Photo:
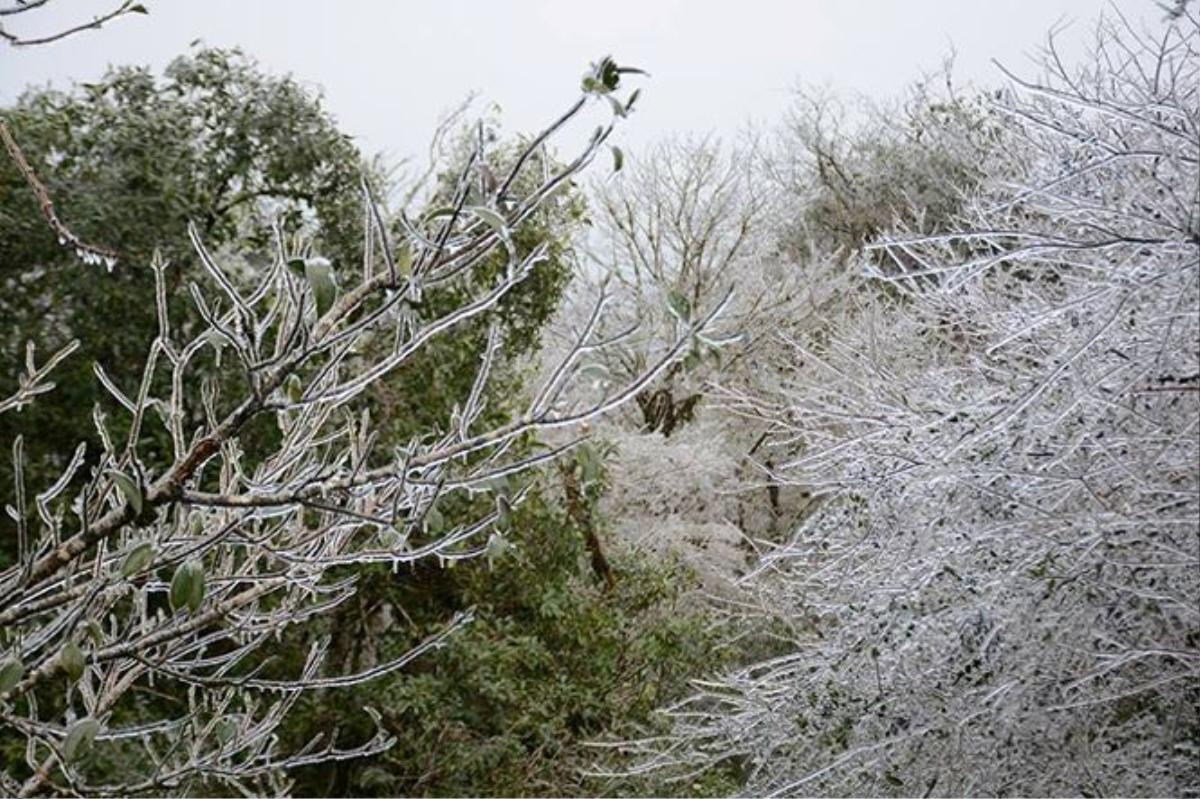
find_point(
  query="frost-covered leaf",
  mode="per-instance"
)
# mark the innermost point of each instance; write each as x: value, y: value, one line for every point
x: 225, y: 729
x: 294, y: 388
x: 79, y: 738
x: 319, y: 273
x: 138, y: 559
x: 129, y: 489
x: 11, y: 672
x: 435, y: 522
x: 679, y: 305
x: 618, y: 159
x: 492, y: 219
x: 72, y: 661
x: 404, y: 260
x: 188, y: 586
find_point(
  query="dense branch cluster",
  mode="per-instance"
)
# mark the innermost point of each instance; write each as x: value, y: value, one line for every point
x: 178, y: 571
x: 997, y: 588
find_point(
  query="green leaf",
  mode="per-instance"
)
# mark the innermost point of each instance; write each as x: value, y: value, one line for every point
x: 138, y: 559
x: 605, y: 76
x: 618, y: 159
x: 497, y: 546
x: 503, y: 513
x: 434, y: 521
x: 196, y: 597
x: 79, y: 738
x: 187, y: 586
x: 391, y: 538
x: 138, y: 8
x: 377, y: 778
x: 319, y: 272
x: 130, y: 489
x: 71, y: 660
x: 225, y: 729
x: 215, y: 340
x: 436, y: 213
x: 679, y: 305
x: 94, y: 632
x: 297, y: 266
x: 492, y: 219
x: 11, y: 672
x: 590, y: 468
x: 181, y: 586
x: 293, y: 388
x: 632, y: 99
x: 404, y: 260
x: 610, y: 75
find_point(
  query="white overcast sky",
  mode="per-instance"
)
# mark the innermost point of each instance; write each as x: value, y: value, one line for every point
x: 389, y: 69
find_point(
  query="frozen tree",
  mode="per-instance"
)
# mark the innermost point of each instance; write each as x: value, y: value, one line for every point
x: 175, y: 573
x: 997, y: 589
x: 674, y: 230
x: 682, y: 222
x: 848, y: 176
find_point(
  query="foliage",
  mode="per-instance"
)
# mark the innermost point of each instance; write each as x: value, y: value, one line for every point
x: 909, y: 163
x: 277, y: 526
x: 335, y: 525
x: 129, y: 162
x: 424, y: 390
x: 996, y: 590
x: 423, y: 393
x: 556, y: 658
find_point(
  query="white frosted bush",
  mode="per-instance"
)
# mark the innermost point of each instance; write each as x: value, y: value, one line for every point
x: 997, y: 590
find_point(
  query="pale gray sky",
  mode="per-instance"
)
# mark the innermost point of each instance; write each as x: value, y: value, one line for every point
x: 388, y: 69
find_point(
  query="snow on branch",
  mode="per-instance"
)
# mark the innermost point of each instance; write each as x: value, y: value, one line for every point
x: 185, y: 574
x: 997, y: 587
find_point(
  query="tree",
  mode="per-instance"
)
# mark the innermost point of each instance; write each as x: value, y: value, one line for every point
x: 847, y: 179
x: 678, y: 227
x: 183, y: 574
x: 996, y: 591
x: 128, y: 162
